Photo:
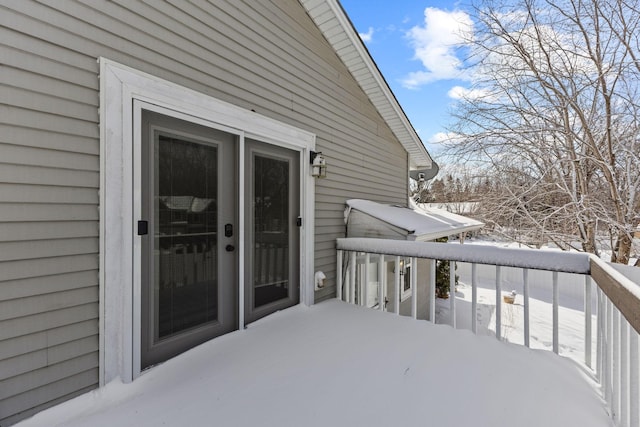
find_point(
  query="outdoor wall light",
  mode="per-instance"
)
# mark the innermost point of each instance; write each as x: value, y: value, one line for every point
x: 319, y: 279
x: 401, y: 267
x: 318, y: 165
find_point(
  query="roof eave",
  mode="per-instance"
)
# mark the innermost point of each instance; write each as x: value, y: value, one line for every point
x: 329, y: 15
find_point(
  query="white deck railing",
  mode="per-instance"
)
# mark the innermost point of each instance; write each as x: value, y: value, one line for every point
x: 617, y: 310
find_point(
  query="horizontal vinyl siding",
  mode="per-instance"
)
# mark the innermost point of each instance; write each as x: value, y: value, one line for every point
x: 264, y: 56
x: 14, y: 328
x: 25, y: 404
x: 49, y: 178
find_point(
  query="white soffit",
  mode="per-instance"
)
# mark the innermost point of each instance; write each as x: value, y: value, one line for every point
x: 340, y: 33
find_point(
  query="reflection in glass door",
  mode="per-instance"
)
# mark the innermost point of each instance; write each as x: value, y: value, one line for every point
x: 189, y: 284
x: 272, y: 272
x: 185, y: 239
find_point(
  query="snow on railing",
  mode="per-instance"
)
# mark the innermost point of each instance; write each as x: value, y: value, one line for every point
x: 617, y: 314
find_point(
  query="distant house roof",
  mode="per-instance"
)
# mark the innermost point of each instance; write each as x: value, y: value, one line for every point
x: 421, y: 224
x: 332, y: 20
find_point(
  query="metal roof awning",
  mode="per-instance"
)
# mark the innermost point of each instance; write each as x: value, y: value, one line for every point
x: 366, y: 218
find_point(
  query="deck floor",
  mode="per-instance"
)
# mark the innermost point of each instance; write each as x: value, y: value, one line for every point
x: 334, y: 364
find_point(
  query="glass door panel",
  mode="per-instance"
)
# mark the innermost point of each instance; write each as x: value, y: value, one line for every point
x: 189, y: 274
x: 271, y: 230
x: 272, y: 245
x: 186, y: 249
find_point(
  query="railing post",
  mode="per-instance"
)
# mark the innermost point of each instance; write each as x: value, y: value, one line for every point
x: 381, y: 284
x: 555, y: 312
x: 525, y: 287
x: 587, y: 321
x: 339, y: 274
x: 432, y: 290
x: 396, y: 286
x: 414, y: 287
x: 498, y: 302
x: 452, y: 292
x: 474, y: 298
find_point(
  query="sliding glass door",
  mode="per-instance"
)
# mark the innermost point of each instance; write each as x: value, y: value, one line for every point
x: 189, y: 291
x: 272, y: 241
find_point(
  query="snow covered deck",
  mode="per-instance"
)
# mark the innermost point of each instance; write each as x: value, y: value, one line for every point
x: 335, y: 364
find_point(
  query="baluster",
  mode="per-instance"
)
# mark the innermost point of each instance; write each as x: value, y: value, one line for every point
x: 555, y: 313
x: 525, y: 287
x: 365, y: 287
x: 615, y: 396
x: 624, y: 372
x: 432, y: 290
x: 352, y: 278
x: 498, y: 302
x: 608, y: 351
x: 474, y: 298
x: 339, y: 274
x: 414, y: 288
x: 600, y: 317
x: 381, y: 284
x: 634, y: 379
x: 347, y: 279
x: 452, y: 292
x: 587, y: 321
x: 396, y: 286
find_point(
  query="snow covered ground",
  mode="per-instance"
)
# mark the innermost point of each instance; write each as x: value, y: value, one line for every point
x: 335, y: 364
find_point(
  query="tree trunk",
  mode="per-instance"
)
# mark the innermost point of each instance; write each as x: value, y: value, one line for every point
x: 622, y: 250
x: 589, y: 243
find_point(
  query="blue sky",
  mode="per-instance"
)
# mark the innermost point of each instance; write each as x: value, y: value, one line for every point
x: 412, y: 42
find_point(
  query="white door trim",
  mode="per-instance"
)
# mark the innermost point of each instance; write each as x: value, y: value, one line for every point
x: 120, y: 247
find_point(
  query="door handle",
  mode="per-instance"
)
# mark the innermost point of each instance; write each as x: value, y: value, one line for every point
x: 143, y: 228
x: 230, y: 248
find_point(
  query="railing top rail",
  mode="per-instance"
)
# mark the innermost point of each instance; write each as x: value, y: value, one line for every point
x: 567, y: 262
x: 622, y: 291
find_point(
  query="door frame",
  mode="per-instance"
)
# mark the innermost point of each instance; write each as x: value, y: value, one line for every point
x: 124, y: 92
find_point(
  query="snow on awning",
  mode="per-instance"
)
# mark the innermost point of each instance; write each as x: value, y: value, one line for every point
x: 414, y: 223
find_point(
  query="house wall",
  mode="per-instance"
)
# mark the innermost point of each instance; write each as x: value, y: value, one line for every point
x: 360, y: 224
x: 421, y: 288
x: 263, y: 56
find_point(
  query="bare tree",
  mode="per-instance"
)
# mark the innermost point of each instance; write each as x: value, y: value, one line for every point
x: 554, y: 119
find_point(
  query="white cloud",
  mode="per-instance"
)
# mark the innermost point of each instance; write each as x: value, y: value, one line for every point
x: 444, y: 137
x: 459, y: 92
x: 436, y: 45
x: 368, y: 36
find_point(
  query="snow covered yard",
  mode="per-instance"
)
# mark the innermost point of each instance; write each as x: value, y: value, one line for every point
x: 336, y: 364
x: 571, y: 304
x: 571, y: 315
